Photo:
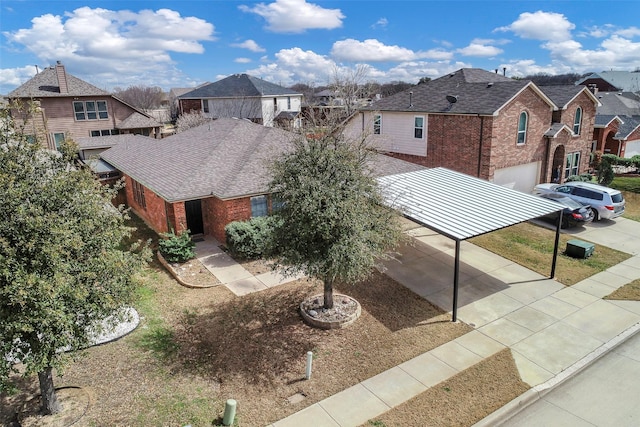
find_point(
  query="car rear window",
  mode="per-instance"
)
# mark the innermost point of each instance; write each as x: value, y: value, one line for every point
x: 617, y: 198
x: 583, y: 192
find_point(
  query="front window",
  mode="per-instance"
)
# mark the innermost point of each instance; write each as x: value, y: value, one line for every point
x: 205, y: 105
x: 138, y: 194
x: 572, y: 166
x: 105, y: 132
x: 577, y: 121
x: 90, y: 110
x: 418, y: 127
x: 522, y: 128
x: 259, y: 206
x: 377, y: 124
x: 58, y: 138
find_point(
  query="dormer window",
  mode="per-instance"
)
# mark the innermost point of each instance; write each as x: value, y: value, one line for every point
x: 577, y: 121
x: 522, y: 128
x: 377, y: 124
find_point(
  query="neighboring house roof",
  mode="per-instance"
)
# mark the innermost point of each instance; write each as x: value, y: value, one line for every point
x: 45, y: 84
x: 622, y: 80
x: 138, y: 120
x: 178, y: 91
x: 238, y: 85
x: 603, y: 120
x: 227, y: 158
x: 466, y: 91
x: 88, y: 142
x: 621, y: 104
x: 563, y: 95
x: 627, y: 127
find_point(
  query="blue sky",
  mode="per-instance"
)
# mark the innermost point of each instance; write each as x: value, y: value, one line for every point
x: 185, y: 43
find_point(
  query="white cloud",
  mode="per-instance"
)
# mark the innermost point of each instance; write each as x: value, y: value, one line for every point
x: 242, y: 60
x: 480, y: 50
x: 251, y: 45
x: 541, y: 26
x: 629, y: 32
x: 16, y: 76
x: 372, y: 50
x: 381, y: 23
x: 114, y: 47
x: 296, y: 16
x: 297, y: 65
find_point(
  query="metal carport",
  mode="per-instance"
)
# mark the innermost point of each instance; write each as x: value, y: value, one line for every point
x: 460, y: 206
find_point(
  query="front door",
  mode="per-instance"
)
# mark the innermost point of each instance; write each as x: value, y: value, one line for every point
x: 193, y: 210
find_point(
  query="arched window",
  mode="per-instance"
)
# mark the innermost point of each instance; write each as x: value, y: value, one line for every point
x: 577, y: 121
x: 522, y: 128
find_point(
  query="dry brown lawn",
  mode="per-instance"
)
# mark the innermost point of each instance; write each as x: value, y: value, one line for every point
x: 630, y: 291
x: 195, y: 348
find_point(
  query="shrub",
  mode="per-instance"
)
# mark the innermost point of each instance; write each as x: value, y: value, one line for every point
x: 605, y: 171
x: 584, y: 177
x: 177, y: 248
x: 249, y: 239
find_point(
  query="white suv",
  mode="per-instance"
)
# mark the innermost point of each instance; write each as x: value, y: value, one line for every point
x: 605, y: 202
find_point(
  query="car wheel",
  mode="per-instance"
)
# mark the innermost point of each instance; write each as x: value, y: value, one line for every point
x: 596, y: 217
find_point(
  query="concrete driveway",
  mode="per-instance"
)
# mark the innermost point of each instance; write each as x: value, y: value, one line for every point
x: 621, y: 234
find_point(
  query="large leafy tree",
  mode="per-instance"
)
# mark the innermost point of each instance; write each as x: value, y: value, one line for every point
x: 63, y: 267
x: 333, y: 224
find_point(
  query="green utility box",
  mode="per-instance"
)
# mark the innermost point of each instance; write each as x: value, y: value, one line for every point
x: 579, y: 249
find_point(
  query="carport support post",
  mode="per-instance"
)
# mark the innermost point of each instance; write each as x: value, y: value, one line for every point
x: 456, y: 274
x: 555, y: 246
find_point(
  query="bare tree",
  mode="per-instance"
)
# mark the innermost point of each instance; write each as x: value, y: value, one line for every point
x: 347, y: 84
x: 190, y: 120
x: 142, y: 97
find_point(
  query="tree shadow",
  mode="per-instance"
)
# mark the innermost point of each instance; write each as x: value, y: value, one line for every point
x: 392, y: 304
x: 258, y: 337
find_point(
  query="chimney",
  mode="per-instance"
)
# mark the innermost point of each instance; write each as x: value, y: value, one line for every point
x: 62, y: 78
x: 504, y: 71
x: 593, y: 88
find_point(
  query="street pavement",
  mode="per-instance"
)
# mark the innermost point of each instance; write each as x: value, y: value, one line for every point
x: 607, y: 393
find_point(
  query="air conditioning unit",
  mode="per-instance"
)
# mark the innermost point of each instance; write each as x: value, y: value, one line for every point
x: 579, y: 249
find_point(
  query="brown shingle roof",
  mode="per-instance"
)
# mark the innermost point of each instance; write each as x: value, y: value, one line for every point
x: 137, y: 121
x: 45, y: 84
x: 474, y: 91
x: 226, y: 158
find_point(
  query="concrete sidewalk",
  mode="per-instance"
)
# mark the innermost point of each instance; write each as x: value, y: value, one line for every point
x: 551, y: 329
x: 235, y: 277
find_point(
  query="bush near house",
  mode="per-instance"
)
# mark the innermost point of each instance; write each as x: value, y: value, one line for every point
x: 177, y: 248
x: 249, y: 239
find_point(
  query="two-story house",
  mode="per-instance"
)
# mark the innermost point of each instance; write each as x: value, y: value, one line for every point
x: 507, y: 131
x: 244, y: 97
x: 70, y: 107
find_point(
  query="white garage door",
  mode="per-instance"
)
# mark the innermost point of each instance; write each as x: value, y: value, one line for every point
x: 632, y: 149
x: 522, y: 177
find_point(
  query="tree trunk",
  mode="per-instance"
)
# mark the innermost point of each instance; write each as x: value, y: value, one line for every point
x: 50, y: 403
x: 328, y: 293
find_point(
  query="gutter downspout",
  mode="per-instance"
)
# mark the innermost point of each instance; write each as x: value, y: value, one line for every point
x: 480, y: 149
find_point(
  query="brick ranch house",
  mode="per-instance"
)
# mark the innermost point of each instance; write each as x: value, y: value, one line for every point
x: 507, y: 131
x: 208, y: 176
x: 617, y: 128
x: 69, y: 107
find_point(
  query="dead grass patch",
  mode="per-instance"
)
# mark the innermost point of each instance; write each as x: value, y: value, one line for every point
x: 630, y: 291
x: 196, y: 348
x: 532, y: 246
x: 462, y: 400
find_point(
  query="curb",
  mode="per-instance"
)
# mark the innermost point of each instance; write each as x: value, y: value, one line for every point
x: 175, y: 275
x: 511, y: 409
